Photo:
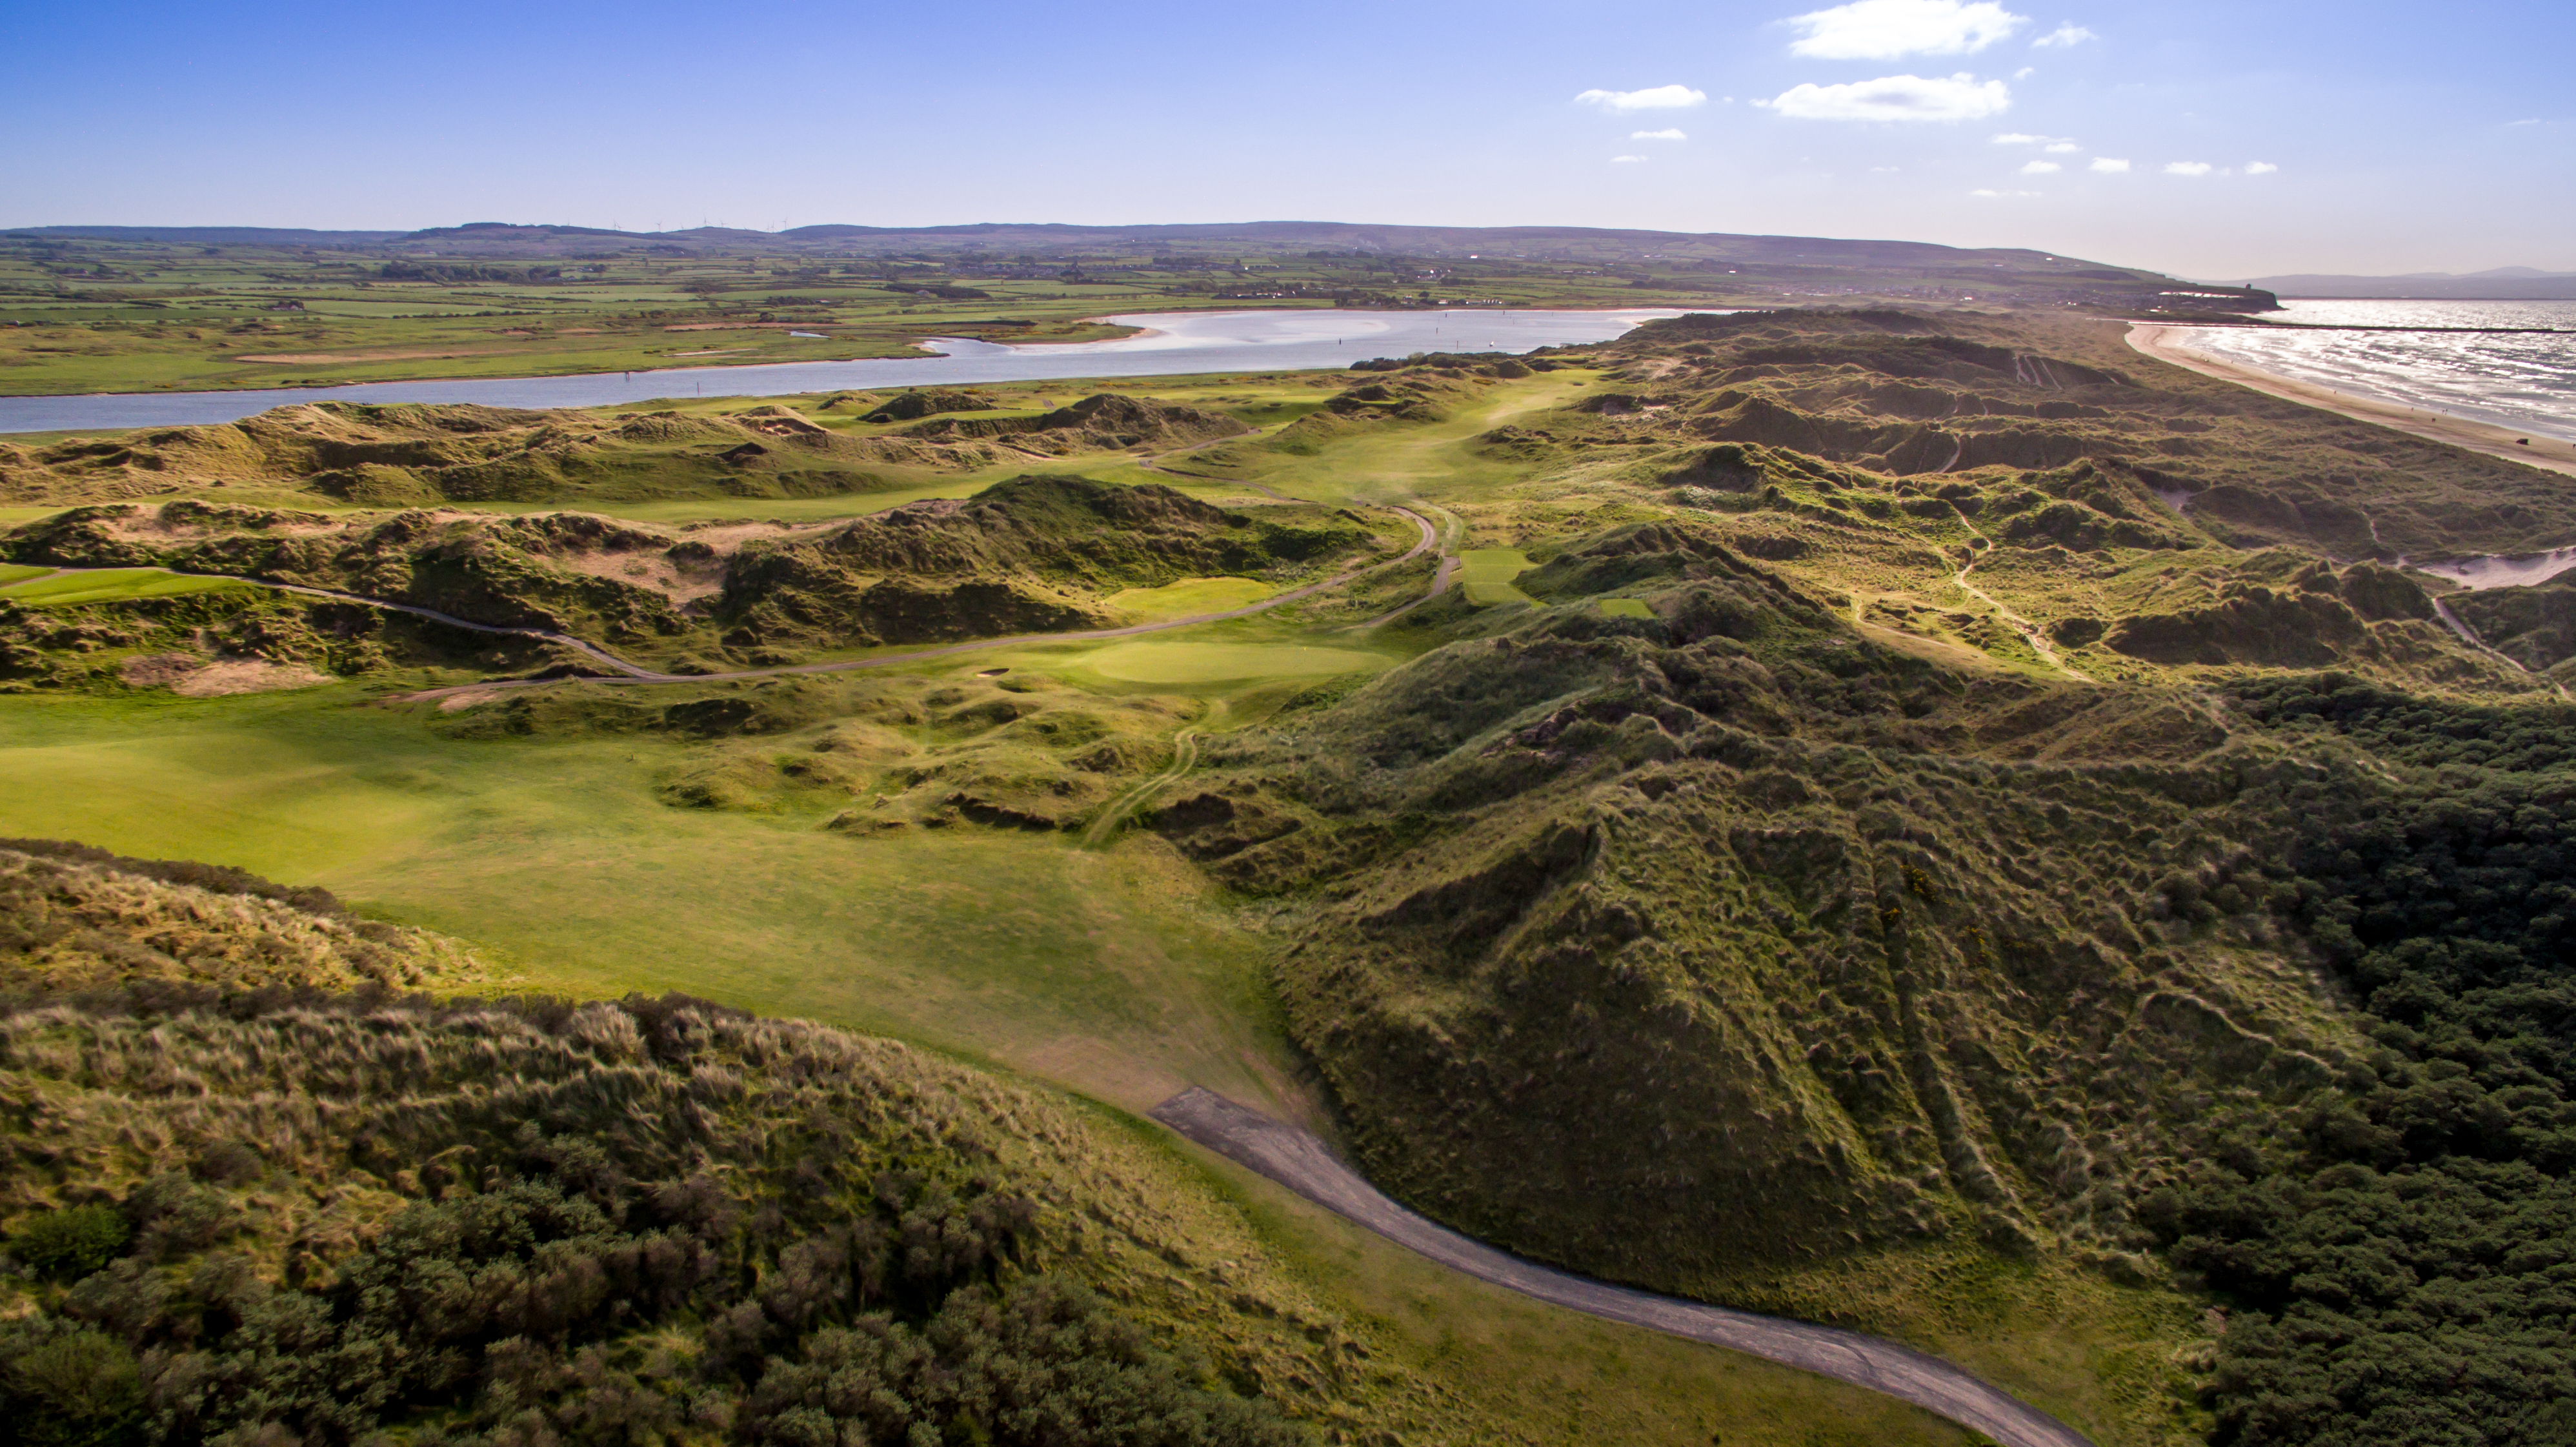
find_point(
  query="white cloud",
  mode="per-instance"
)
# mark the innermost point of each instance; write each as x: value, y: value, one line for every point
x: 2041, y: 168
x: 2110, y: 167
x: 2063, y: 148
x: 2018, y: 138
x: 1627, y: 160
x: 2188, y: 168
x: 1896, y: 98
x: 2065, y: 35
x: 2026, y: 72
x: 1886, y: 29
x: 1656, y: 98
x: 1990, y: 192
x: 1670, y: 134
x: 2260, y: 168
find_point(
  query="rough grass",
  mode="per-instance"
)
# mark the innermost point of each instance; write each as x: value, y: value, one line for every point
x: 1563, y: 1379
x: 71, y: 921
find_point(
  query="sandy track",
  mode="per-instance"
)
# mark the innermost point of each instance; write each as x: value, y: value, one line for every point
x: 1303, y: 1164
x: 1185, y: 756
x: 2165, y: 344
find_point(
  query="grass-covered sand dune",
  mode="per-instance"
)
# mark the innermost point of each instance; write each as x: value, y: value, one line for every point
x: 1921, y: 819
x: 269, y: 1207
x: 241, y: 1203
x: 1031, y: 554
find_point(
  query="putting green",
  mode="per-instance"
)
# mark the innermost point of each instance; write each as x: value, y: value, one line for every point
x: 1188, y: 597
x: 1626, y: 608
x: 108, y: 584
x: 1185, y: 663
x: 1487, y: 574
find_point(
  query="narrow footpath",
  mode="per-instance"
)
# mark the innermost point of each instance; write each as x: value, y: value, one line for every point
x: 1304, y: 1164
x: 1185, y: 757
x: 2029, y: 631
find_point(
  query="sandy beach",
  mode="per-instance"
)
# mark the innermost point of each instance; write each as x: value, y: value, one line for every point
x: 2163, y: 342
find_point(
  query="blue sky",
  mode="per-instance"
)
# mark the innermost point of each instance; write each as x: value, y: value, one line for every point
x: 2398, y: 138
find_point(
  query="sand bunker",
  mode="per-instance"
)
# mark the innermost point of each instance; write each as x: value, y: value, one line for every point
x: 192, y: 677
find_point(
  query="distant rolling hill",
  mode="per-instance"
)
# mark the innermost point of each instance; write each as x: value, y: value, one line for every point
x: 1566, y: 242
x: 209, y: 235
x: 1794, y: 269
x: 2504, y: 283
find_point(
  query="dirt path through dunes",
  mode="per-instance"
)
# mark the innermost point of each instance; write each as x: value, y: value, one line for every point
x: 2029, y: 631
x: 1185, y: 756
x: 2165, y: 344
x: 2469, y: 636
x: 636, y: 673
x: 1303, y: 1164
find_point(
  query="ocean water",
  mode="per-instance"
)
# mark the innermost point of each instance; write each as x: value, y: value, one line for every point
x: 1174, y: 343
x: 2526, y: 382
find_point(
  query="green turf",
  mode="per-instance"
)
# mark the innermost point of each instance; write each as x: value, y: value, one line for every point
x: 1185, y: 664
x: 19, y: 572
x: 1115, y: 973
x: 1188, y: 597
x: 1626, y: 608
x: 1487, y: 575
x: 1437, y: 460
x: 110, y: 585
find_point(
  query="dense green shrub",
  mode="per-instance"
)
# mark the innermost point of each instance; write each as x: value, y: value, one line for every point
x: 675, y: 1222
x: 2424, y: 732
x: 2402, y: 1263
x: 71, y: 1242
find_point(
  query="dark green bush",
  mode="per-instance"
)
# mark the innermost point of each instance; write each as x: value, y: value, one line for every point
x: 72, y: 1242
x: 2400, y: 1263
x: 66, y: 1387
x: 604, y: 1278
x: 2428, y: 733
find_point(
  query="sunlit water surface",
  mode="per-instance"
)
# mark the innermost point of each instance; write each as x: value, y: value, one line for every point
x: 1174, y: 344
x: 2525, y: 381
